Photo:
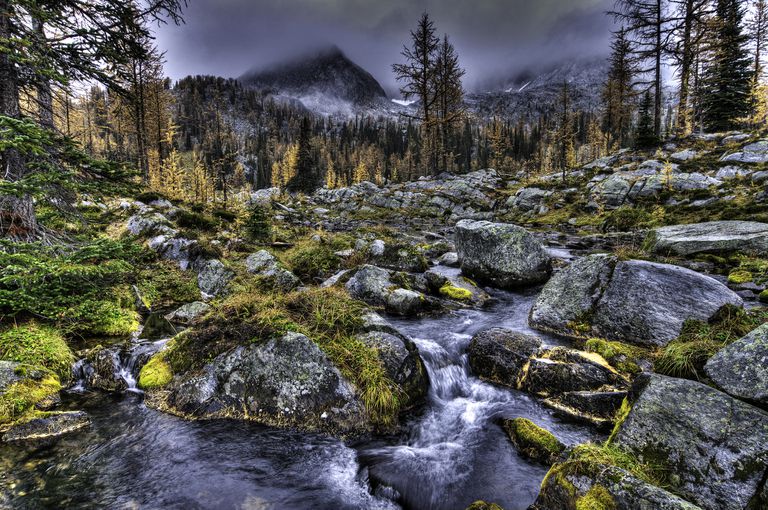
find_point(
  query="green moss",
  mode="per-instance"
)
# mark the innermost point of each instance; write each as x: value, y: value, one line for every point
x: 482, y: 505
x: 740, y: 276
x: 596, y: 498
x: 621, y: 416
x: 156, y: 373
x: 591, y: 458
x: 698, y: 341
x: 763, y: 297
x: 621, y: 356
x: 37, y: 345
x: 104, y: 318
x: 20, y: 398
x: 536, y: 442
x: 456, y: 293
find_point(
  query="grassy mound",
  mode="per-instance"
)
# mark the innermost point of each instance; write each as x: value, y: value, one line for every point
x: 39, y: 346
x: 20, y: 398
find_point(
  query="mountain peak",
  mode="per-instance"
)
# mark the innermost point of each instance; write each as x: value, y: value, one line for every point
x: 327, y: 73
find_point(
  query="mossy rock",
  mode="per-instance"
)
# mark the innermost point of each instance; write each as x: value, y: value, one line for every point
x: 482, y: 505
x: 763, y: 297
x: 596, y: 498
x: 532, y: 441
x: 37, y: 345
x: 155, y: 374
x: 449, y: 291
x: 32, y: 386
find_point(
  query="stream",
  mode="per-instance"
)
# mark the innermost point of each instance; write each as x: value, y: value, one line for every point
x: 451, y: 454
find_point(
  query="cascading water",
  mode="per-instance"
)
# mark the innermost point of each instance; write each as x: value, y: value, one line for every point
x: 451, y: 454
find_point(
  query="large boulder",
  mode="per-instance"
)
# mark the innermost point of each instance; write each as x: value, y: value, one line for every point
x: 188, y: 313
x: 102, y: 370
x: 741, y: 369
x: 499, y: 355
x: 710, y: 237
x: 753, y: 153
x: 283, y: 382
x: 501, y: 254
x: 631, y: 301
x: 714, y: 447
x: 46, y: 426
x: 374, y: 286
x: 265, y: 265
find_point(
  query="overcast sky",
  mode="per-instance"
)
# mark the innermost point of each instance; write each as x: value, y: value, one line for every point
x: 495, y: 38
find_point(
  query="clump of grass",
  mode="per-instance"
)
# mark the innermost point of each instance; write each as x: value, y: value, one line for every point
x: 311, y: 259
x: 533, y: 441
x: 621, y: 416
x: 627, y: 219
x: 596, y: 498
x: 589, y: 456
x: 698, y: 341
x: 327, y: 316
x: 163, y: 285
x: 37, y: 345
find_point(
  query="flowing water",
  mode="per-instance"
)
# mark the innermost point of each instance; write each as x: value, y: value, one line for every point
x: 452, y: 453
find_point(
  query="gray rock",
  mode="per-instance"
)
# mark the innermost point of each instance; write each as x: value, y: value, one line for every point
x: 450, y: 259
x: 373, y: 285
x: 741, y: 369
x: 760, y: 177
x: 715, y: 448
x: 732, y: 172
x: 284, y: 382
x: 188, y: 313
x: 547, y: 377
x: 500, y: 254
x: 711, y: 237
x: 405, y: 302
x: 684, y: 155
x: 528, y: 199
x: 214, y: 278
x: 178, y: 249
x: 631, y: 301
x: 8, y: 374
x: 499, y: 355
x: 735, y: 138
x: 102, y: 370
x: 264, y: 197
x: 47, y: 426
x: 572, y: 294
x: 753, y: 153
x: 270, y: 269
x: 611, y: 192
x: 647, y: 303
x: 148, y: 223
x: 377, y: 248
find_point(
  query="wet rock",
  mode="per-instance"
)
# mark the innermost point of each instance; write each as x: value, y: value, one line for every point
x: 44, y: 426
x: 753, y: 153
x: 188, y: 313
x: 575, y: 484
x: 571, y: 295
x: 500, y: 355
x: 284, y: 382
x: 711, y: 237
x: 546, y: 377
x: 741, y: 369
x: 214, y: 278
x: 405, y: 302
x: 532, y: 441
x: 102, y: 371
x: 714, y: 447
x: 500, y: 254
x: 156, y: 327
x: 265, y: 265
x: 596, y: 407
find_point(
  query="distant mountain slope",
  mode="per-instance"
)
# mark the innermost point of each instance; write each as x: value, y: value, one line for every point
x: 534, y: 93
x: 327, y: 82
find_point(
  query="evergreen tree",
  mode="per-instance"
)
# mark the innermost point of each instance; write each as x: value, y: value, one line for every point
x: 306, y: 178
x: 645, y: 135
x: 618, y: 94
x: 450, y: 95
x: 727, y: 78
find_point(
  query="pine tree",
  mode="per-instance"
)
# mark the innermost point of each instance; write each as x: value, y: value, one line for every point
x: 727, y: 79
x: 618, y: 94
x: 305, y: 178
x: 645, y: 136
x: 418, y: 76
x: 450, y: 95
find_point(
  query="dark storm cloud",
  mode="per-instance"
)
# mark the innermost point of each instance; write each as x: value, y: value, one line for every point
x: 494, y: 37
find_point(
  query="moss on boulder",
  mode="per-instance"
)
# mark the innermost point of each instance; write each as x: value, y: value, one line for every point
x: 532, y: 441
x: 37, y: 345
x: 155, y: 374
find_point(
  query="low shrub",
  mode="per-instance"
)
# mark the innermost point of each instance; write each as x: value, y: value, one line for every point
x: 310, y: 259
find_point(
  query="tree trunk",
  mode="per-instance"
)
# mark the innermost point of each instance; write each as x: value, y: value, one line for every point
x: 657, y: 71
x: 44, y: 94
x: 17, y: 213
x: 683, y: 109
